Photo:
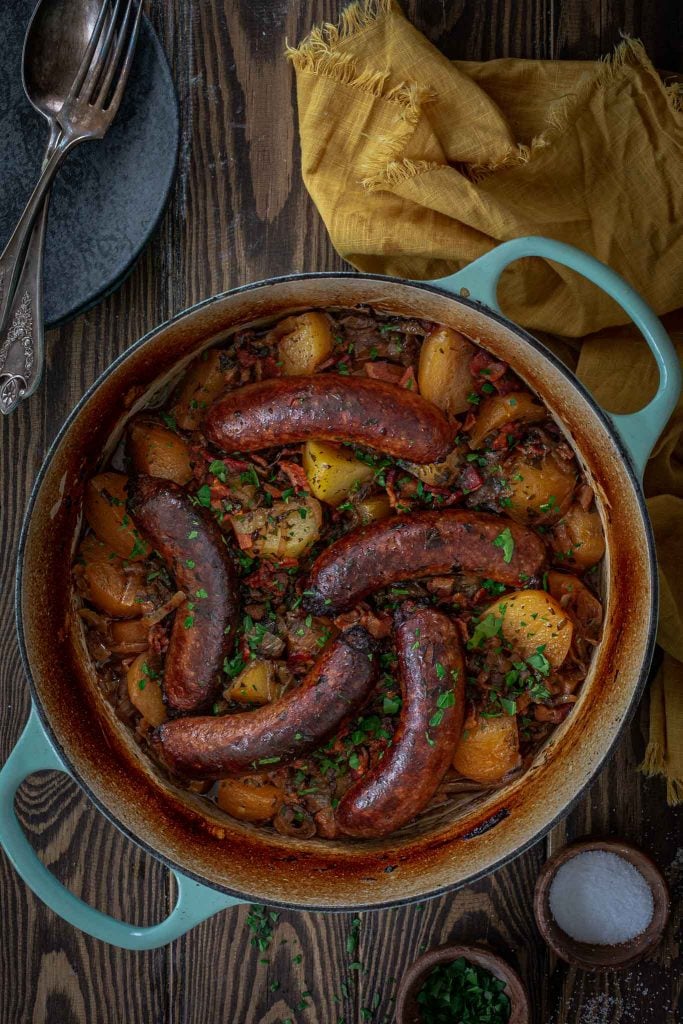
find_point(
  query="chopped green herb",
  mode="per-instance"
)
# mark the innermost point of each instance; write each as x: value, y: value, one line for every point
x: 505, y: 541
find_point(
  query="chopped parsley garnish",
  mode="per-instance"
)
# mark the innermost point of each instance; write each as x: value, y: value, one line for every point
x: 505, y: 541
x: 464, y: 992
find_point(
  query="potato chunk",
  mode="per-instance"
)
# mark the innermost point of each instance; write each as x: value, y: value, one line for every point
x: 443, y: 375
x: 287, y: 530
x: 111, y: 585
x: 539, y: 492
x: 104, y: 507
x: 249, y: 798
x: 578, y: 538
x: 332, y: 472
x: 144, y: 689
x: 488, y: 749
x: 372, y: 509
x: 496, y: 411
x: 256, y: 684
x: 533, y: 619
x: 305, y: 341
x: 158, y: 451
x: 203, y: 382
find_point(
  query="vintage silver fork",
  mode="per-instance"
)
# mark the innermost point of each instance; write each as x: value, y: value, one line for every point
x: 87, y: 113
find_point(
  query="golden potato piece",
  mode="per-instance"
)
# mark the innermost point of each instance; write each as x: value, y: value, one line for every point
x: 539, y: 492
x: 488, y: 749
x: 286, y: 530
x: 111, y: 585
x: 256, y: 684
x: 104, y: 507
x: 332, y: 472
x: 248, y: 798
x: 305, y: 341
x: 533, y: 619
x: 578, y: 538
x: 496, y: 411
x: 437, y: 474
x: 443, y: 375
x: 203, y: 382
x: 372, y: 509
x: 158, y: 451
x: 144, y: 689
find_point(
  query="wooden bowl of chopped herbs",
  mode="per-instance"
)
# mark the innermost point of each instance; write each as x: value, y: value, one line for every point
x: 468, y: 984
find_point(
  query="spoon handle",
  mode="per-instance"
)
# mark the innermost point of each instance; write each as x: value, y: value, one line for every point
x: 12, y: 259
x: 22, y: 347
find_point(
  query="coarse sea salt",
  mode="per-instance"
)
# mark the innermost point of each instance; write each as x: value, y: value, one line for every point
x: 601, y: 898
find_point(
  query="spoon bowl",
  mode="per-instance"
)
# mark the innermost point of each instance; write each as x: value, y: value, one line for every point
x: 55, y: 44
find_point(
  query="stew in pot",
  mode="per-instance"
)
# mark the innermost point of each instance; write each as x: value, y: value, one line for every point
x: 346, y: 570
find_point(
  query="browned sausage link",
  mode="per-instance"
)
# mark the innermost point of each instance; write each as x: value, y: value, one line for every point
x: 330, y: 407
x: 401, y: 784
x: 211, y: 748
x: 191, y: 544
x: 407, y: 547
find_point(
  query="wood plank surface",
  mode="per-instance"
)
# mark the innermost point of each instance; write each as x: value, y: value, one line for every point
x: 238, y: 213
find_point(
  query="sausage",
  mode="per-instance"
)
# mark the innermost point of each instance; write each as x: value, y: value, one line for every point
x: 213, y: 747
x: 191, y: 544
x: 407, y: 547
x: 432, y: 677
x: 330, y: 407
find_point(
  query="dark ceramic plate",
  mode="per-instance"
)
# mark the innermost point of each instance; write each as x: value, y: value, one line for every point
x: 110, y: 194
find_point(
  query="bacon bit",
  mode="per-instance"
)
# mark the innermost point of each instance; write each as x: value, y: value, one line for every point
x: 300, y: 662
x: 246, y: 358
x: 470, y: 420
x: 244, y: 540
x: 234, y: 465
x: 269, y: 368
x: 470, y: 479
x: 585, y: 496
x: 442, y: 586
x: 409, y: 380
x: 378, y: 624
x: 267, y: 577
x: 330, y: 361
x: 347, y: 619
x: 381, y: 370
x: 393, y: 497
x: 275, y: 492
x: 481, y: 365
x: 158, y: 639
x: 295, y: 475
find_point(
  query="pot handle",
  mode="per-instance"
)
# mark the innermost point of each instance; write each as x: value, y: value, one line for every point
x: 195, y: 902
x: 639, y: 430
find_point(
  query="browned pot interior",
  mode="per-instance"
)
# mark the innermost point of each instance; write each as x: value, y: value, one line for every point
x: 449, y: 845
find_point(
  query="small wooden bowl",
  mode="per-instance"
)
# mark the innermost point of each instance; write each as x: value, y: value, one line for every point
x: 587, y: 955
x: 407, y: 1011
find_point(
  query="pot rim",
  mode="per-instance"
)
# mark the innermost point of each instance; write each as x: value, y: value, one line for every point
x: 542, y: 351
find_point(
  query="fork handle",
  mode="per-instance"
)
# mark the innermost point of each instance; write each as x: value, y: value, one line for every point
x: 12, y: 259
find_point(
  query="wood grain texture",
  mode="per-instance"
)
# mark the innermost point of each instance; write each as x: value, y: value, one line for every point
x: 238, y: 213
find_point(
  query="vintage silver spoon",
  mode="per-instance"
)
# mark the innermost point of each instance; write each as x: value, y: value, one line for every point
x: 55, y: 44
x: 77, y: 56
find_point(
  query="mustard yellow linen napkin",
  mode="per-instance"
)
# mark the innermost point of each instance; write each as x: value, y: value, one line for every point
x: 419, y: 165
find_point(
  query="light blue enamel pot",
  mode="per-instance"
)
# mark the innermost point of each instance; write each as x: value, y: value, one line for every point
x: 218, y: 862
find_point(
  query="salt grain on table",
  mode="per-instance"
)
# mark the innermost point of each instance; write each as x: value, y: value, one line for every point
x: 601, y: 898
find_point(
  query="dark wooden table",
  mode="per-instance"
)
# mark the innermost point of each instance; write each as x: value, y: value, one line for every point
x: 238, y: 213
